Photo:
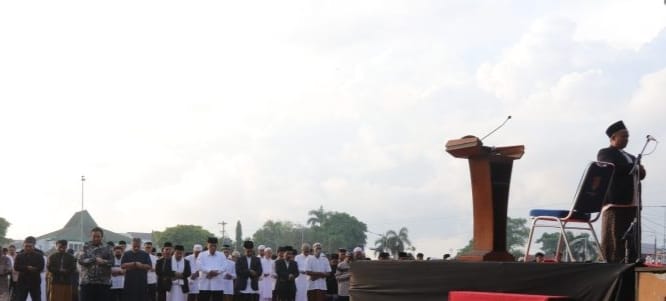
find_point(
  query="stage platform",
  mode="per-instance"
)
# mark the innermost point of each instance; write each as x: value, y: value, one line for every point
x: 433, y: 280
x: 651, y: 283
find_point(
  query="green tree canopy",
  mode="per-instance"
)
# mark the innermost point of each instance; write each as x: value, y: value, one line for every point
x: 281, y: 233
x: 393, y: 242
x: 341, y: 230
x: 582, y: 246
x: 466, y: 249
x: 517, y: 233
x: 4, y: 225
x: 239, y: 236
x: 333, y: 229
x: 318, y: 217
x: 186, y: 235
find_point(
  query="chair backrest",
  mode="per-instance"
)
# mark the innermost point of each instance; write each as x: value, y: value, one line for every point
x: 593, y: 187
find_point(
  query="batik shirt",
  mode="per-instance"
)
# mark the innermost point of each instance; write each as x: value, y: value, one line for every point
x: 91, y: 272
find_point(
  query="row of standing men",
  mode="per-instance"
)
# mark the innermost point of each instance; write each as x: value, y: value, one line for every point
x: 106, y: 272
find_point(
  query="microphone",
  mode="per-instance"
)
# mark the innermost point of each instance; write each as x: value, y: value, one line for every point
x: 497, y: 128
x: 650, y: 138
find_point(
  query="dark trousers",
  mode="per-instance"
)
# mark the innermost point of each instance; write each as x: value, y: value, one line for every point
x: 614, y: 223
x: 331, y: 297
x: 248, y: 297
x: 116, y: 294
x: 316, y: 295
x: 12, y: 289
x: 23, y: 291
x: 193, y: 297
x: 151, y: 291
x: 95, y: 292
x: 343, y: 298
x: 161, y: 295
x: 211, y: 295
x: 134, y: 292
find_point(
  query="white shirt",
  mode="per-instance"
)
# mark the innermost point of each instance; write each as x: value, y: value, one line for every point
x: 300, y: 260
x: 117, y: 282
x: 177, y: 266
x: 320, y: 265
x: 194, y: 283
x: 228, y: 284
x: 15, y: 274
x: 152, y: 276
x: 216, y: 262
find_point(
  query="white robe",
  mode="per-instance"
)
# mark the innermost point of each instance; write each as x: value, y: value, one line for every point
x: 152, y: 276
x: 266, y: 282
x: 176, y: 292
x: 194, y: 283
x: 302, y: 279
x: 117, y: 282
x: 219, y: 263
x: 228, y: 284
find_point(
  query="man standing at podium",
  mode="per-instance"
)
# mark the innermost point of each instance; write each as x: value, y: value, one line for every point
x: 620, y: 207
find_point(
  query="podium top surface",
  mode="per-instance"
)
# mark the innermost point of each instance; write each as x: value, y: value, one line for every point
x: 468, y: 147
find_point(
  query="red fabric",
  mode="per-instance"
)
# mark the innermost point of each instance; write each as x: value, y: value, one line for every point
x: 489, y: 296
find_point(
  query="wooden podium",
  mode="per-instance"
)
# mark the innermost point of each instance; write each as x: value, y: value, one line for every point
x: 490, y: 171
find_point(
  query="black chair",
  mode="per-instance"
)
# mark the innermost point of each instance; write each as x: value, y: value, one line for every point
x: 586, y: 209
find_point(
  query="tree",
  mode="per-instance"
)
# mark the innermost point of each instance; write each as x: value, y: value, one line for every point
x: 548, y: 241
x: 393, y: 242
x: 279, y: 233
x: 318, y: 218
x: 582, y: 247
x: 333, y: 229
x: 4, y: 225
x: 517, y: 233
x: 239, y: 236
x: 186, y: 235
x: 466, y: 249
x: 341, y: 230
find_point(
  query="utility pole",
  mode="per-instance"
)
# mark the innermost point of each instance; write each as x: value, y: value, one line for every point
x: 663, y: 247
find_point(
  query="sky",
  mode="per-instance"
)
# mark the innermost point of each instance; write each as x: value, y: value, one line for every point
x: 202, y: 112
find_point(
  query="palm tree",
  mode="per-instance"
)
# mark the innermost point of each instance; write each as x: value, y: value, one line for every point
x: 393, y: 242
x: 381, y: 244
x: 583, y: 248
x: 318, y: 218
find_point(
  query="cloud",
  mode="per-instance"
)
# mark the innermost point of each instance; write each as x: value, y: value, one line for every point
x: 209, y: 112
x: 648, y: 101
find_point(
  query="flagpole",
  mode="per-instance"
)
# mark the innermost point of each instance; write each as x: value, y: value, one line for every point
x: 83, y: 180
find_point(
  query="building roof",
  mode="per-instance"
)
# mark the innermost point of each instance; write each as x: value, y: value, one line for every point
x: 144, y: 236
x: 72, y: 230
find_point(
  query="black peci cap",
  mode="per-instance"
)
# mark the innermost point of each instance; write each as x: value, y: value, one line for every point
x: 613, y: 128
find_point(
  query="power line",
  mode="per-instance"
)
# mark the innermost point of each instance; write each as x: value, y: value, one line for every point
x: 653, y: 222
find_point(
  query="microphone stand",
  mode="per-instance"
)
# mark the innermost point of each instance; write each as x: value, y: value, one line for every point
x: 637, y: 223
x: 626, y: 236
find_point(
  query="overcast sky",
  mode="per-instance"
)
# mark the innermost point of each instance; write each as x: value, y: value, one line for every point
x: 209, y: 111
